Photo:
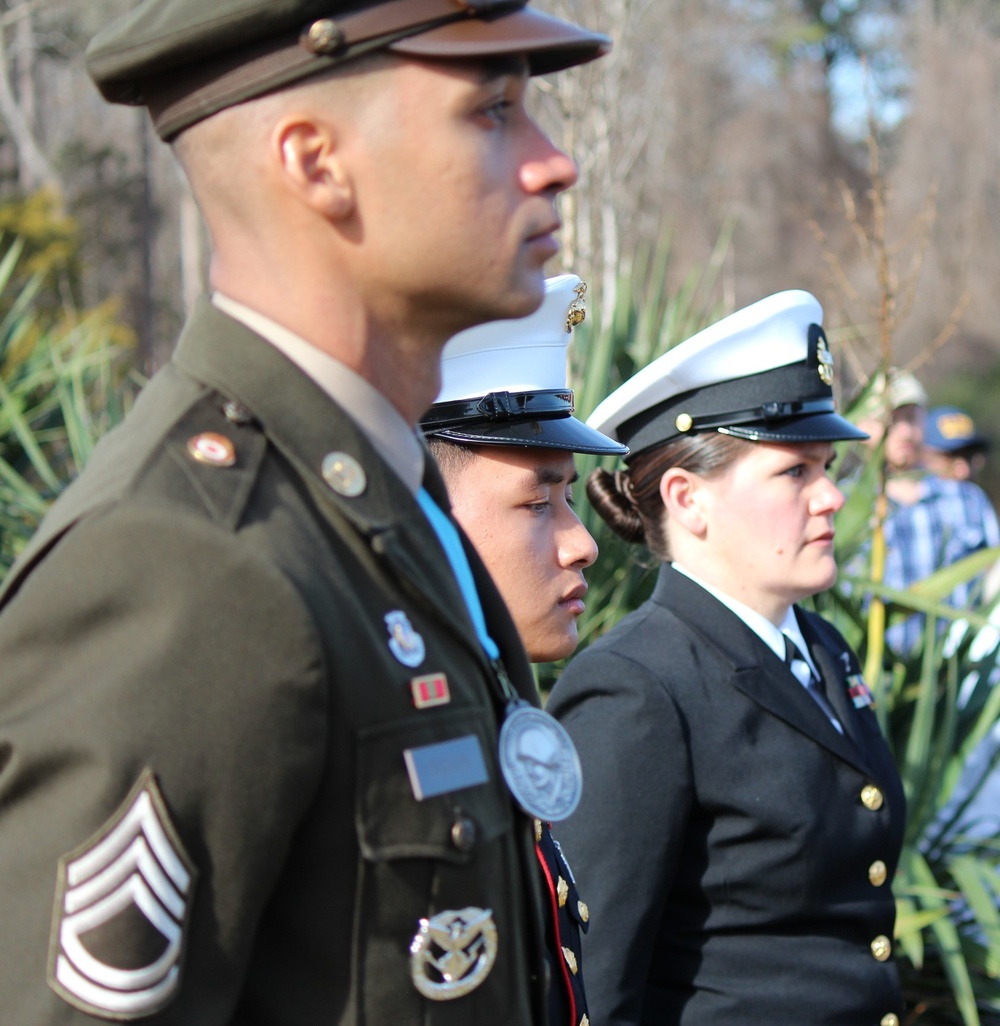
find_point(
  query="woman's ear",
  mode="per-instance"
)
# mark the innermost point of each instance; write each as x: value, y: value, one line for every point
x: 312, y: 164
x: 681, y: 492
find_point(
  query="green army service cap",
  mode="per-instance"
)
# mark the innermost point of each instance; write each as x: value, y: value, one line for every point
x: 187, y: 59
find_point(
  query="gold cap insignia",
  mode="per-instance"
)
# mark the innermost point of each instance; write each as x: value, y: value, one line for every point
x: 825, y: 361
x: 683, y: 422
x: 577, y: 312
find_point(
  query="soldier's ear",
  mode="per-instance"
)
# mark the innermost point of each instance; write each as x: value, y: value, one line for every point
x: 680, y: 491
x: 312, y: 164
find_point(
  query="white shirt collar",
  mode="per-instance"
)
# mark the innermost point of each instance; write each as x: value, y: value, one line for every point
x: 396, y: 442
x: 772, y: 636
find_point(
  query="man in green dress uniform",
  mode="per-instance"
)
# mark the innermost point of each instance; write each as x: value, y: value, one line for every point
x: 252, y: 674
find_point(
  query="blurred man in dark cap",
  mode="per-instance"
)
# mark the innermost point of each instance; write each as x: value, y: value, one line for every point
x: 251, y: 767
x: 932, y: 521
x: 953, y: 447
x: 504, y: 435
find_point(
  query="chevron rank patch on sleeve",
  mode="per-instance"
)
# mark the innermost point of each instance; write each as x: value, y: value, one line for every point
x: 122, y: 906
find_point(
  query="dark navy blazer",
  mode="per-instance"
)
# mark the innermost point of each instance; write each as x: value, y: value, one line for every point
x: 736, y: 851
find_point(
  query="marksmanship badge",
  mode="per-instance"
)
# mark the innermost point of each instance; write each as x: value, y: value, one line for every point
x: 122, y: 906
x: 404, y: 642
x: 453, y: 952
x: 539, y: 763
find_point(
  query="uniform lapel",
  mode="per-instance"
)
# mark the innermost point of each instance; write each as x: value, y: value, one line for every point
x: 756, y: 671
x: 304, y: 424
x: 835, y: 683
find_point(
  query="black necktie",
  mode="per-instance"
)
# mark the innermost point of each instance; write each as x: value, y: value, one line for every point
x: 803, y: 673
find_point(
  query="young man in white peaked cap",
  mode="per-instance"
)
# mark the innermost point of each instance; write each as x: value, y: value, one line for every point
x: 504, y: 436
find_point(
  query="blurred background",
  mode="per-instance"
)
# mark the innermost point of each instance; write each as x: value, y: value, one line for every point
x: 728, y: 149
x: 745, y: 136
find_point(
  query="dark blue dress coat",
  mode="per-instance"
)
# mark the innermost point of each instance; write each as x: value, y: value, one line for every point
x: 736, y: 851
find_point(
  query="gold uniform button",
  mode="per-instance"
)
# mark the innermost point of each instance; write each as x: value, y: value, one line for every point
x: 538, y: 830
x: 562, y: 891
x: 881, y: 948
x: 871, y: 797
x: 570, y: 960
x: 877, y: 873
x: 889, y: 1020
x: 463, y: 834
x: 585, y: 1021
x: 581, y: 907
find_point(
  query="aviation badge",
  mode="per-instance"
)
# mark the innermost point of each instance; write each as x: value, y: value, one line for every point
x: 127, y: 890
x: 404, y: 642
x: 453, y: 952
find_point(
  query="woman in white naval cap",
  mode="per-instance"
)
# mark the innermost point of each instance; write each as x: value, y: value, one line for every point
x: 504, y: 435
x: 742, y: 817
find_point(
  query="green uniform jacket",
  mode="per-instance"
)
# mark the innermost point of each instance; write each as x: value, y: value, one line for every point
x: 206, y: 815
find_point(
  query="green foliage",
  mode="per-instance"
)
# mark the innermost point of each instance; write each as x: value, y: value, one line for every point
x: 62, y: 386
x: 936, y: 705
x: 948, y: 884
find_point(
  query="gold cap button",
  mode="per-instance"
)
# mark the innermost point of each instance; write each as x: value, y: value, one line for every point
x: 871, y: 797
x: 881, y: 948
x: 683, y: 422
x: 324, y: 36
x: 889, y: 1020
x: 570, y: 960
x: 581, y: 907
x: 877, y: 873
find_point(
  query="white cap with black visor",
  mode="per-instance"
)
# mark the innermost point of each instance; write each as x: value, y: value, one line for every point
x: 764, y: 373
x: 504, y: 383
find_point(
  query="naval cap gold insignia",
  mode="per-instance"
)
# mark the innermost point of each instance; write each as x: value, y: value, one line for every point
x: 453, y: 952
x: 824, y: 361
x: 577, y: 312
